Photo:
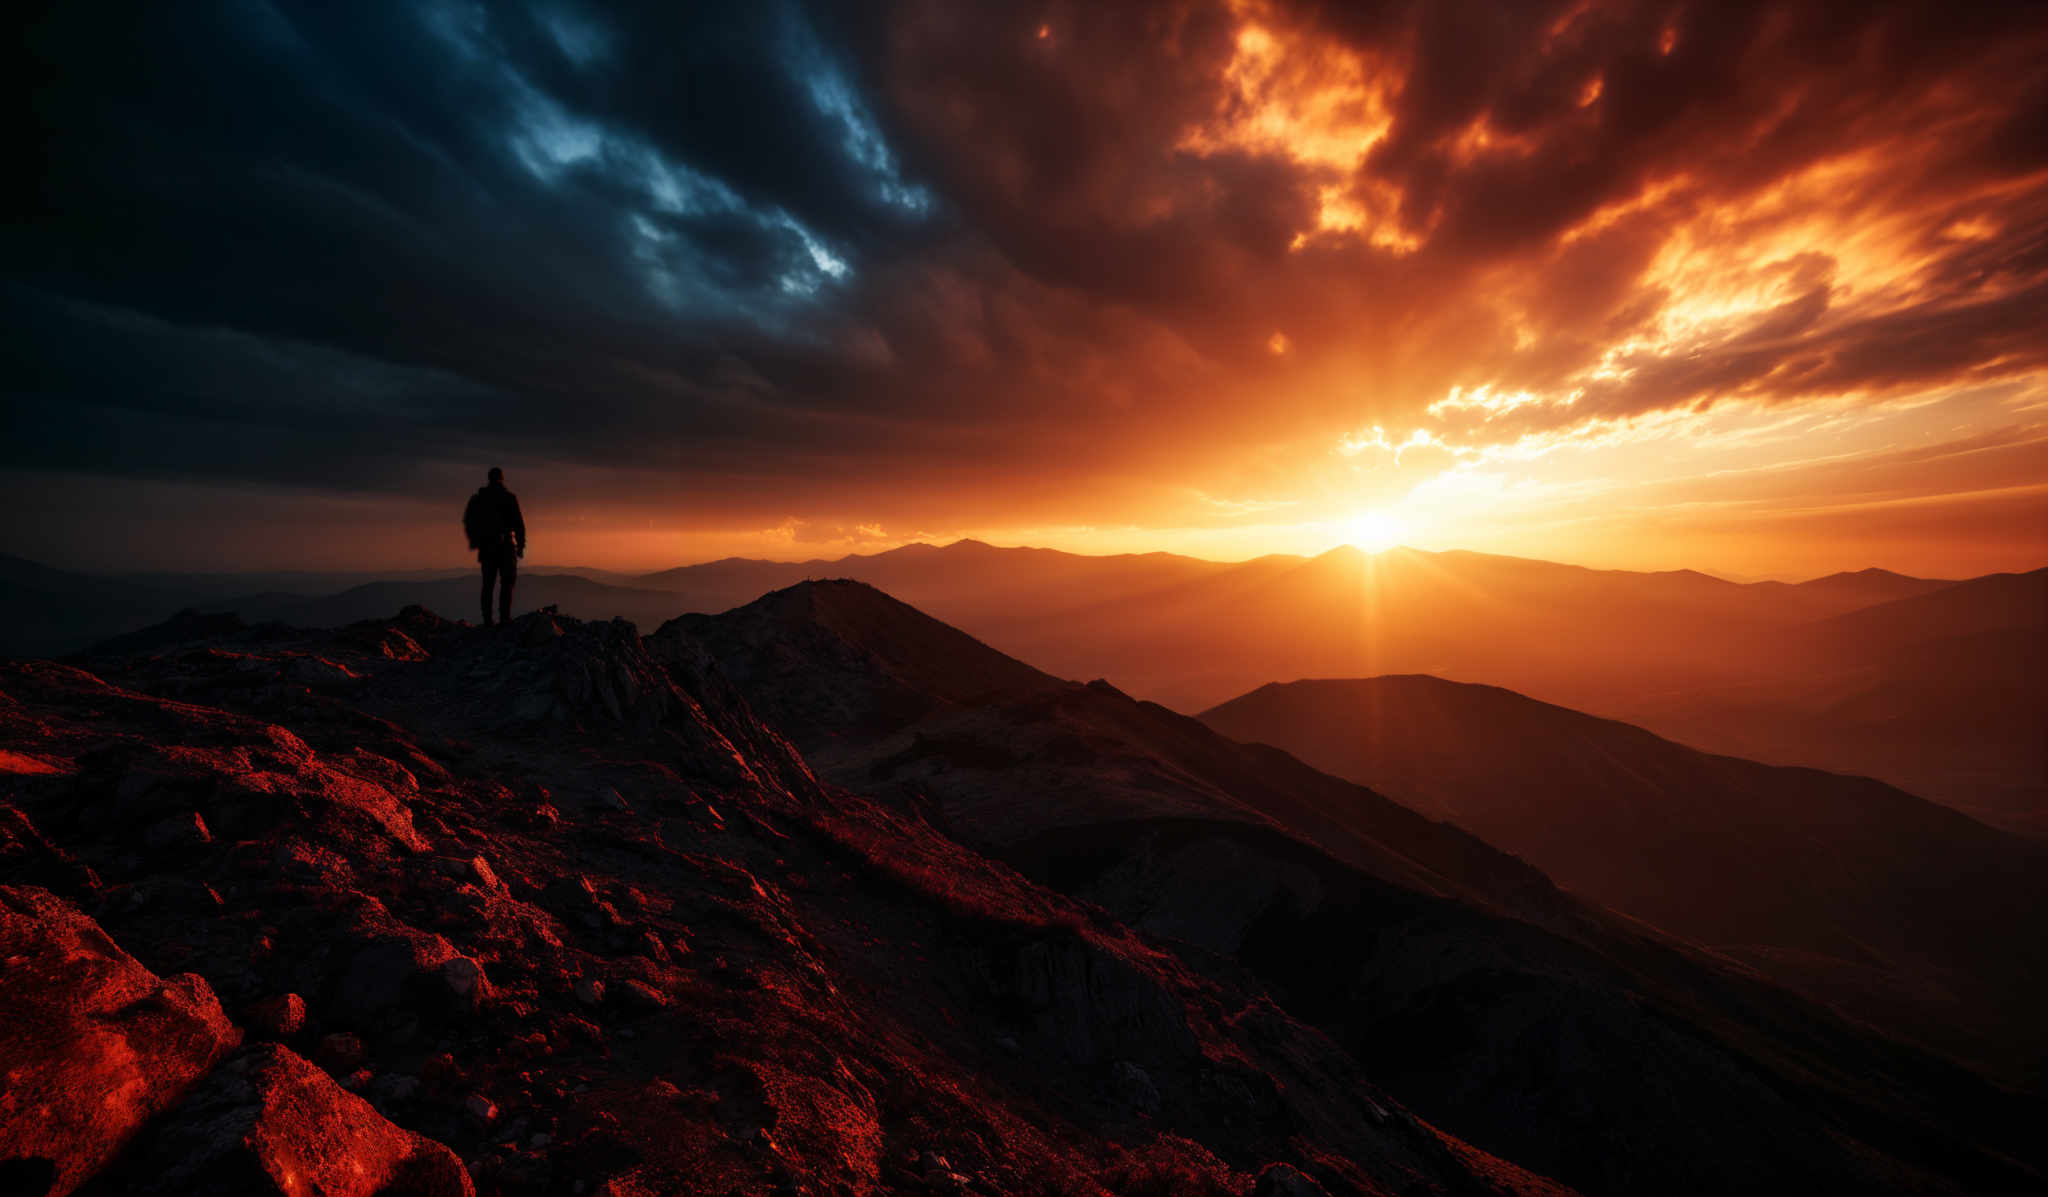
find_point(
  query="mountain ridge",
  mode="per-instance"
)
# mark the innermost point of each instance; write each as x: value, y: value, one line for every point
x: 1803, y: 872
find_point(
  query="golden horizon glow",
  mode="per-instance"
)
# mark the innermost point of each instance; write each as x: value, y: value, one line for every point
x: 1646, y: 289
x: 1376, y: 531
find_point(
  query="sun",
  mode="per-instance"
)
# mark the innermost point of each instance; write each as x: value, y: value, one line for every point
x: 1375, y: 531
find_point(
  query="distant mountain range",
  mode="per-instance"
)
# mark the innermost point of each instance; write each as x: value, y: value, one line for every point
x: 1932, y: 685
x: 1842, y: 887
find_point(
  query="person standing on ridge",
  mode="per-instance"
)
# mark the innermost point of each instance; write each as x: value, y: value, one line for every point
x: 498, y: 534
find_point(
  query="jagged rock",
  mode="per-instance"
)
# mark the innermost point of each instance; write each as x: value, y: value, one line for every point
x: 92, y: 1044
x: 576, y: 898
x: 340, y: 1052
x: 468, y: 987
x: 269, y: 1122
x: 279, y: 1015
x: 638, y: 996
x: 178, y: 833
x: 481, y: 872
x: 27, y: 857
x: 650, y: 946
x: 319, y: 671
x: 393, y: 965
x: 1285, y: 1180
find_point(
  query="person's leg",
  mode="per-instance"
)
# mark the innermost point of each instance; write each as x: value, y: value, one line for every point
x: 490, y: 576
x: 508, y: 573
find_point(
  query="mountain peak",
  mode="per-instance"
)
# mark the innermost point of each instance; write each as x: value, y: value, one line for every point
x: 1343, y: 554
x: 848, y: 656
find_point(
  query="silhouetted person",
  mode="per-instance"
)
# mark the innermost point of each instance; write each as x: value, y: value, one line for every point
x: 498, y: 535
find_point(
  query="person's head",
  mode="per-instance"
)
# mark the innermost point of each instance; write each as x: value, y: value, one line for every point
x: 497, y: 476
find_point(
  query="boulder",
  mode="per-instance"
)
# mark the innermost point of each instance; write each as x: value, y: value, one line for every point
x: 270, y: 1122
x: 340, y: 1053
x: 1285, y: 1180
x: 468, y: 988
x: 481, y: 872
x: 480, y: 1110
x: 92, y: 1044
x: 278, y: 1016
x: 394, y: 966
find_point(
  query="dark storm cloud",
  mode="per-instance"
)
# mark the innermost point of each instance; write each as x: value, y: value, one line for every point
x: 995, y: 247
x: 495, y: 211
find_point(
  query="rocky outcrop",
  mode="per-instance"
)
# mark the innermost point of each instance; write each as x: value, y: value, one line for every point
x: 269, y: 1122
x: 92, y: 1044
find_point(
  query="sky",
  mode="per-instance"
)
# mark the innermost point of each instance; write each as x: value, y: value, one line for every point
x: 1751, y: 288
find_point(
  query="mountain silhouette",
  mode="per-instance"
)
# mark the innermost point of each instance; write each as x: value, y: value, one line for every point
x: 1846, y: 888
x: 1851, y: 589
x: 1940, y: 693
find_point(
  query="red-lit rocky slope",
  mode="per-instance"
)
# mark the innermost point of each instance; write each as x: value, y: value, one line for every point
x: 417, y: 907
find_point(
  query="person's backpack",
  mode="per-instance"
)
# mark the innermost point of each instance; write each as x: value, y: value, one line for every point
x: 479, y: 521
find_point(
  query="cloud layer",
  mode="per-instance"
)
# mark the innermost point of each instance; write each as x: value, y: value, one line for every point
x: 926, y: 266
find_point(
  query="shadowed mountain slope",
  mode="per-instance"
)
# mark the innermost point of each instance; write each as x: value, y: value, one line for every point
x: 1941, y: 693
x: 45, y: 611
x: 1499, y: 1006
x: 1994, y: 603
x: 1849, y: 590
x: 1901, y: 910
x: 882, y: 693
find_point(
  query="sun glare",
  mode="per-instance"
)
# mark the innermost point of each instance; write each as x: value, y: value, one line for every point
x: 1375, y: 531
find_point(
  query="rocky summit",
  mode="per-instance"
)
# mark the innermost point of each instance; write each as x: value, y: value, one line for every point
x: 421, y: 908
